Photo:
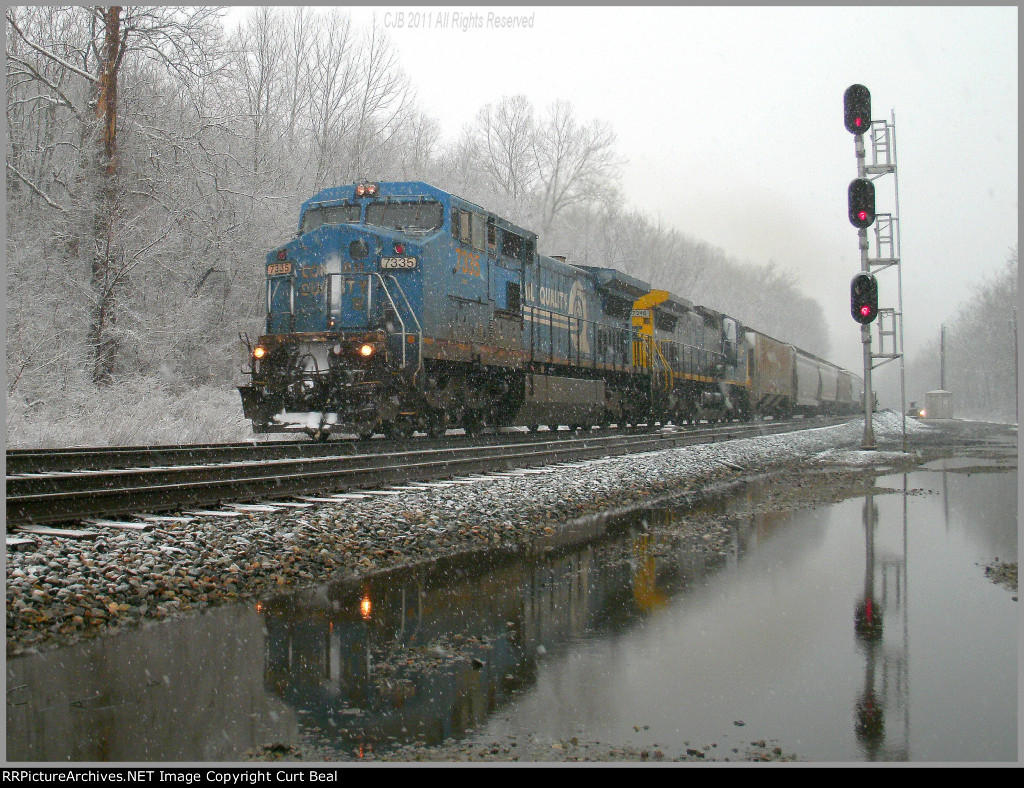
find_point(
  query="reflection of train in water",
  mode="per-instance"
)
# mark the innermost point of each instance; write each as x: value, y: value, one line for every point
x: 399, y: 306
x: 411, y: 656
x: 415, y: 659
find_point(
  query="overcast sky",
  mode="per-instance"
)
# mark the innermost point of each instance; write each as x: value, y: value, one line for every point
x: 731, y: 120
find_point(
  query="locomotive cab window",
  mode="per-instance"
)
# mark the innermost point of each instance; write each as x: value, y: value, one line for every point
x: 663, y: 321
x: 730, y: 339
x: 516, y: 247
x: 479, y: 231
x: 461, y: 224
x: 418, y: 217
x: 330, y: 214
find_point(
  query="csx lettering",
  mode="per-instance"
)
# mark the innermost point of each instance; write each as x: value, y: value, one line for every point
x: 467, y: 263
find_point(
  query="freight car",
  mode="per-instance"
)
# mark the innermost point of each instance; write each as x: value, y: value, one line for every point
x: 401, y: 307
x: 785, y: 380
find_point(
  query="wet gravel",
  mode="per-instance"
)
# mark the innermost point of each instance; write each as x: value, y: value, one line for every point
x: 527, y: 748
x: 62, y: 590
x: 1003, y: 573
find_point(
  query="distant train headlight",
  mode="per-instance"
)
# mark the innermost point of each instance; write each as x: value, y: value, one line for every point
x: 366, y: 350
x: 259, y: 352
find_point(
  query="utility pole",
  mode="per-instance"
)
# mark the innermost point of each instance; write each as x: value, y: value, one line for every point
x: 1016, y: 371
x: 942, y: 357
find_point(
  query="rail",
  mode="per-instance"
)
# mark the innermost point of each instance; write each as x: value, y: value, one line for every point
x: 40, y: 498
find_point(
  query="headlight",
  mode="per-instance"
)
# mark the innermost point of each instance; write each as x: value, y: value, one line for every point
x: 259, y: 352
x: 366, y: 350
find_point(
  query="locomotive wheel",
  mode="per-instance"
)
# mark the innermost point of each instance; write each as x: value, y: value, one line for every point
x: 532, y: 427
x: 398, y: 429
x: 366, y: 430
x: 472, y: 422
x: 320, y: 435
x: 437, y: 423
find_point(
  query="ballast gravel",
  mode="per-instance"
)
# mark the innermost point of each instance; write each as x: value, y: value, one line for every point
x: 61, y: 590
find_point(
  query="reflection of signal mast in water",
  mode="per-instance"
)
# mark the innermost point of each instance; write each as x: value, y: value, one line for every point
x: 886, y: 686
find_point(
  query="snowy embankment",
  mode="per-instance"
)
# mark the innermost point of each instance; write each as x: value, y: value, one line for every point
x: 137, y: 412
x: 62, y: 589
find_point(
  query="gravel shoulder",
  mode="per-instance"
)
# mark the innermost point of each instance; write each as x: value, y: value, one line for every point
x: 64, y: 590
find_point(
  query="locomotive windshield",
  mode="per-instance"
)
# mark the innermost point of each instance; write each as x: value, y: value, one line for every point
x: 330, y: 214
x: 414, y: 217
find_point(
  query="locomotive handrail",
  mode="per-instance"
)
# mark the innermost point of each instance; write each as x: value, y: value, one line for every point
x: 419, y: 328
x: 404, y: 333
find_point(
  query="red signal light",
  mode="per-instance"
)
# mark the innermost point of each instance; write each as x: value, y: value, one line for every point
x: 864, y: 298
x: 861, y: 198
x: 282, y: 254
x: 399, y: 249
x: 856, y: 108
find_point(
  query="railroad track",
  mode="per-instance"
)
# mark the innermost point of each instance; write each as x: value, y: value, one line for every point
x: 70, y: 485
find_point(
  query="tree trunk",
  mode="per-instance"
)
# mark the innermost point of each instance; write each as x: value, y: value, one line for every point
x: 103, y: 278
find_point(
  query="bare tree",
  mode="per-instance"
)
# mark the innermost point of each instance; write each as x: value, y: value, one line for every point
x: 981, y: 343
x: 332, y: 77
x: 418, y: 148
x: 68, y: 63
x: 505, y: 136
x: 296, y: 88
x: 575, y: 163
x: 260, y: 61
x: 385, y: 100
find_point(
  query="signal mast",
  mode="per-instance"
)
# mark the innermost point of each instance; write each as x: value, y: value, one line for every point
x: 864, y: 286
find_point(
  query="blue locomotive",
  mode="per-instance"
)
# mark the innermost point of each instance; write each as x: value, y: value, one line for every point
x: 401, y: 307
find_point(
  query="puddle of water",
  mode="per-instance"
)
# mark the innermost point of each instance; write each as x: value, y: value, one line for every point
x: 968, y: 464
x: 866, y: 630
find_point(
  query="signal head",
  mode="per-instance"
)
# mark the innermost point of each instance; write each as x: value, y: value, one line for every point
x: 857, y: 109
x: 861, y: 197
x: 864, y: 298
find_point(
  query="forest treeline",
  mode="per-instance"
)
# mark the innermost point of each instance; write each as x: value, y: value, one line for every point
x: 981, y: 350
x: 153, y: 158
